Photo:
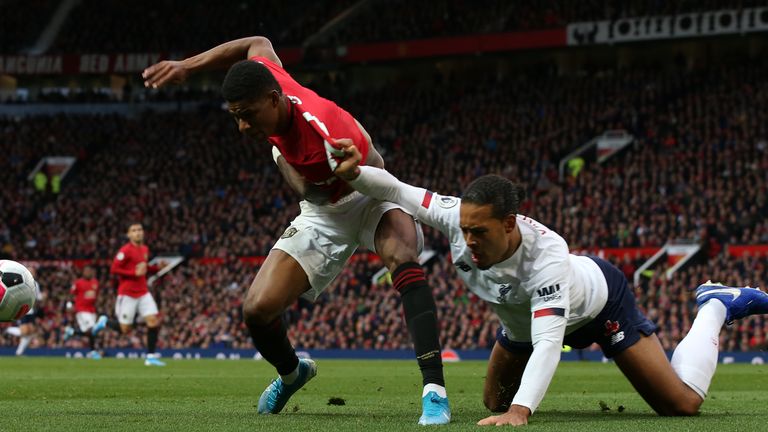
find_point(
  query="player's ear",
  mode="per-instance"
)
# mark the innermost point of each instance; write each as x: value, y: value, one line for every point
x: 274, y: 97
x: 510, y: 221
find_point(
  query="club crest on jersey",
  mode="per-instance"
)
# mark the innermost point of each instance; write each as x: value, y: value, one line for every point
x: 551, y: 292
x: 290, y: 232
x: 503, y: 291
x: 447, y: 202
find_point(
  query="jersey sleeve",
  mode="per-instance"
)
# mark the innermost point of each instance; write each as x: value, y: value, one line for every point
x: 121, y: 266
x: 419, y: 202
x: 272, y: 66
x: 549, y: 317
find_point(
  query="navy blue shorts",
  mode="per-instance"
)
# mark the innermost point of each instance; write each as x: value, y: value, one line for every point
x: 617, y: 327
x: 28, y: 319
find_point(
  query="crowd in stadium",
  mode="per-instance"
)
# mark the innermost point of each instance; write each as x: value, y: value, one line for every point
x: 686, y: 175
x: 696, y: 170
x: 154, y: 26
x: 200, y: 304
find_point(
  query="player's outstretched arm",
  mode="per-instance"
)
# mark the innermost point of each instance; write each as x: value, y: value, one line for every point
x: 222, y: 56
x: 376, y: 182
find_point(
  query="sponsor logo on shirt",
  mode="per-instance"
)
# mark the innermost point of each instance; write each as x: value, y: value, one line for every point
x: 120, y: 256
x: 549, y: 293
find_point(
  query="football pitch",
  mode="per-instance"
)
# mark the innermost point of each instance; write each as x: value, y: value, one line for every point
x: 57, y: 394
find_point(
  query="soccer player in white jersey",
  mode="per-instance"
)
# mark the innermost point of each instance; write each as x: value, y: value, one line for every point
x: 545, y: 297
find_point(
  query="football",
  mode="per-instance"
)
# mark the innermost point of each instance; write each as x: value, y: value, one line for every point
x: 17, y: 290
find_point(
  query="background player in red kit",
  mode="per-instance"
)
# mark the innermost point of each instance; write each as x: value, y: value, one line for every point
x: 130, y: 266
x: 268, y: 105
x: 86, y: 292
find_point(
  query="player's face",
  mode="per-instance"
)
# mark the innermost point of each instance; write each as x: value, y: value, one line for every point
x: 136, y: 233
x: 488, y: 238
x: 257, y: 118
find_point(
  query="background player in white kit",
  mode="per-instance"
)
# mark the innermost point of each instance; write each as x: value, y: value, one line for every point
x: 546, y: 297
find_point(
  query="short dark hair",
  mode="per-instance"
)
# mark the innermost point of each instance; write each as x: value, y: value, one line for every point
x: 502, y: 194
x: 132, y: 223
x: 248, y: 79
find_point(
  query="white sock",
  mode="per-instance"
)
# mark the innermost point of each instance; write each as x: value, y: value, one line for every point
x: 13, y: 331
x: 291, y: 377
x: 440, y: 390
x: 23, y: 344
x: 695, y: 358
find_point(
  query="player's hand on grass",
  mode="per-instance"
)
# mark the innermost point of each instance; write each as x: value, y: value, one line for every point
x: 165, y: 72
x: 349, y: 168
x: 516, y: 416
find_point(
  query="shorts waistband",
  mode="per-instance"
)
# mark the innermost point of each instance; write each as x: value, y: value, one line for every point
x: 352, y: 196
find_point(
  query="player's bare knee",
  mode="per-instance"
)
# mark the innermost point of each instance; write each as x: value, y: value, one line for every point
x: 684, y: 407
x: 259, y: 312
x: 399, y: 258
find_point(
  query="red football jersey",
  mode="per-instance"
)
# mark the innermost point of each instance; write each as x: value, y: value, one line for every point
x: 85, y: 291
x: 124, y: 266
x: 315, y: 122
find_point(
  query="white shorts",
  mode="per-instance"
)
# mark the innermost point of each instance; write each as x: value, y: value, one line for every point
x: 85, y: 320
x: 323, y: 237
x: 127, y: 306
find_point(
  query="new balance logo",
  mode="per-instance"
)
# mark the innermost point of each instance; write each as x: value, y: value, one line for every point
x: 463, y: 266
x: 612, y: 330
x: 618, y: 337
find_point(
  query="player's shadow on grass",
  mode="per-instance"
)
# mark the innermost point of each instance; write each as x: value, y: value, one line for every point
x: 591, y: 416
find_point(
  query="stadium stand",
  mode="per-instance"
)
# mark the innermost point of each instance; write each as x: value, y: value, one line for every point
x: 696, y: 169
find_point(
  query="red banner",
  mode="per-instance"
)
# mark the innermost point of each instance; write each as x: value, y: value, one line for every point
x: 73, y: 64
x: 134, y: 63
x: 752, y: 250
x: 618, y: 254
x: 453, y: 45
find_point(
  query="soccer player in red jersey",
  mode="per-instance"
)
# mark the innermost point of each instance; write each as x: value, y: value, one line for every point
x: 130, y: 266
x: 270, y: 106
x: 86, y: 292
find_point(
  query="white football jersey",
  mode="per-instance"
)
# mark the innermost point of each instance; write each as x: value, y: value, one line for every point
x: 540, y: 293
x: 540, y: 277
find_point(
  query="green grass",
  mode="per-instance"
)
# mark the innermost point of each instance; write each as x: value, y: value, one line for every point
x: 55, y: 394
